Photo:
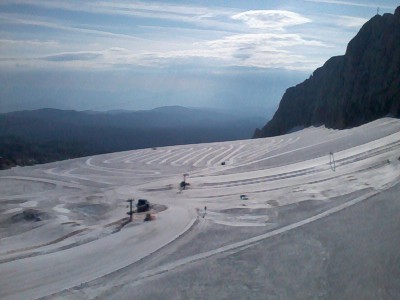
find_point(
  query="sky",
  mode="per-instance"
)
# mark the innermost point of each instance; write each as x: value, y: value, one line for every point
x: 108, y: 55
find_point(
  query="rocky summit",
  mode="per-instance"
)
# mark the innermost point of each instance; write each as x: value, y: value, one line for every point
x: 349, y: 90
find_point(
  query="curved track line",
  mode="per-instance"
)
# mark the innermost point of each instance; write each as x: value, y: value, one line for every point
x: 122, y: 171
x: 231, y: 155
x: 289, y: 151
x: 273, y: 148
x: 251, y: 241
x: 141, y: 156
x: 122, y: 244
x: 215, y: 158
x: 107, y: 161
x: 197, y: 162
x: 43, y: 180
x: 156, y: 157
x: 191, y: 155
x: 205, y: 150
x: 254, y: 191
x: 177, y: 153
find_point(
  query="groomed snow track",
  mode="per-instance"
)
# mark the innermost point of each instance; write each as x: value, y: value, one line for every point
x: 82, y: 197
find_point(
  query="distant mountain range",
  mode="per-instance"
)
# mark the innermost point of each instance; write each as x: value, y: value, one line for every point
x: 44, y: 135
x: 358, y: 87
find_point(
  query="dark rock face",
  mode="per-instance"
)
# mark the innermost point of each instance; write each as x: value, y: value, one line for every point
x: 350, y: 90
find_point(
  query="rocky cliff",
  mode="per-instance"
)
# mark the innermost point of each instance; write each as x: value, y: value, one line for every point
x: 349, y: 90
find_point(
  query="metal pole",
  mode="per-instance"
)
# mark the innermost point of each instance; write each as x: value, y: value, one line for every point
x: 130, y: 213
x: 332, y: 161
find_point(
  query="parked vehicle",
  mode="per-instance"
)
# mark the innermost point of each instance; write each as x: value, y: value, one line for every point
x: 142, y: 205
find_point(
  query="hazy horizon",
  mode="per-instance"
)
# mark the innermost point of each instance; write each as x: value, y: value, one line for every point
x: 93, y: 55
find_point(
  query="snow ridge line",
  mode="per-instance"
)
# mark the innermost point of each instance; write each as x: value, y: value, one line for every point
x: 46, y: 180
x: 251, y: 241
x: 300, y: 172
x: 290, y: 151
x: 6, y: 260
x: 92, y: 166
x: 188, y: 228
x: 375, y: 166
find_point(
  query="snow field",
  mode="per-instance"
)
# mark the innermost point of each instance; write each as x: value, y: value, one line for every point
x: 81, y: 203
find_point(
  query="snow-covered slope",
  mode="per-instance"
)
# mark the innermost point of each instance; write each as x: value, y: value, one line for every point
x: 62, y: 223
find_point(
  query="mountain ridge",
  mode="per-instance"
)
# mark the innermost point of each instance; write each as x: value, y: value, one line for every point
x: 348, y: 90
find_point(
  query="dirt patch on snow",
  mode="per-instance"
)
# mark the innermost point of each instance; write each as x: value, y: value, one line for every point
x: 30, y: 215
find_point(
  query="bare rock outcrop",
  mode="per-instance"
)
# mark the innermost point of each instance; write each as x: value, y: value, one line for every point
x: 350, y: 90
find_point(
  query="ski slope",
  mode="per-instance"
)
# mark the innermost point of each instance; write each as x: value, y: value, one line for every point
x: 79, y: 248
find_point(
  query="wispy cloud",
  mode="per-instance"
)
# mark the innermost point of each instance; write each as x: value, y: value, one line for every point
x: 118, y: 7
x: 262, y: 41
x: 255, y: 50
x: 271, y: 19
x: 77, y: 56
x: 244, y: 50
x: 28, y: 43
x: 350, y: 22
x: 181, y: 34
x: 267, y: 50
x: 350, y: 3
x: 20, y: 19
x: 200, y: 16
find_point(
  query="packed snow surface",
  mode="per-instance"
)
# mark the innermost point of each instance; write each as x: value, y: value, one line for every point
x: 63, y: 225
